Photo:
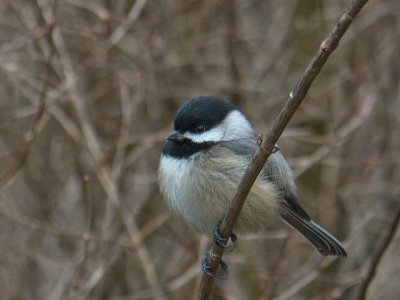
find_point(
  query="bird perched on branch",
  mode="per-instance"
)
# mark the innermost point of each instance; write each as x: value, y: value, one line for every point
x: 202, y: 163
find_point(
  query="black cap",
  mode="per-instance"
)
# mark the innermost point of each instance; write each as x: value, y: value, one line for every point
x: 204, y: 111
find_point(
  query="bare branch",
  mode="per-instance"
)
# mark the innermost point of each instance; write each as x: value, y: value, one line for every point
x: 92, y: 6
x: 378, y: 256
x: 266, y: 148
x: 133, y: 14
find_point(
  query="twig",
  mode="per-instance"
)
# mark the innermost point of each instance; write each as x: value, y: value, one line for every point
x: 36, y: 127
x: 279, y: 258
x: 378, y: 256
x: 133, y: 15
x: 309, y: 275
x: 47, y: 228
x: 92, y: 6
x: 266, y: 148
x: 341, y: 136
x: 94, y: 146
x: 232, y: 41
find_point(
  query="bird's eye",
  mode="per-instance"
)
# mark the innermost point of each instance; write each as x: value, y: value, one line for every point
x: 200, y: 129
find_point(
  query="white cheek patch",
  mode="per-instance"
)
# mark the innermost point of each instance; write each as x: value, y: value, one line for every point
x: 234, y: 126
x: 213, y: 135
x: 237, y: 127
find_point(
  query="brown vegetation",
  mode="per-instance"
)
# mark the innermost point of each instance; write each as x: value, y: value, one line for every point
x: 88, y: 91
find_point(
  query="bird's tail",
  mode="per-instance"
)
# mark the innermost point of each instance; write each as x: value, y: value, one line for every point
x: 324, y: 242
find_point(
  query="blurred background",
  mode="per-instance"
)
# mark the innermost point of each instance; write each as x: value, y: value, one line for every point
x: 88, y: 91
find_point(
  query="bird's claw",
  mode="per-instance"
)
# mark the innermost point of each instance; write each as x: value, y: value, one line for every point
x: 205, y: 267
x: 223, y: 241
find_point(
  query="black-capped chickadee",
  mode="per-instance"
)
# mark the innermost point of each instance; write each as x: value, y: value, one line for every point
x: 203, y: 161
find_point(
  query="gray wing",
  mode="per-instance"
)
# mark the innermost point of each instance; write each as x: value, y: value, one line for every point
x: 245, y: 147
x: 294, y: 215
x: 276, y: 170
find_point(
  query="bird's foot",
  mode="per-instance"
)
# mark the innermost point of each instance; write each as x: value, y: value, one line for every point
x: 224, y: 241
x: 205, y: 267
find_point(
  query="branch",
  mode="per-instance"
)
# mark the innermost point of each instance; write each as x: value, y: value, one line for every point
x: 378, y: 256
x: 266, y: 148
x: 133, y: 15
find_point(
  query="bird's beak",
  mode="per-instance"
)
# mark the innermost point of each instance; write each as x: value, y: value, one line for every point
x: 175, y: 136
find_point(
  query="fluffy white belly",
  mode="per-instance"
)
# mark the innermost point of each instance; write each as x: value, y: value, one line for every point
x: 186, y: 195
x: 202, y: 198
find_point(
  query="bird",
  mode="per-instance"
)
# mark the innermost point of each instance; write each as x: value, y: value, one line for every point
x: 202, y: 162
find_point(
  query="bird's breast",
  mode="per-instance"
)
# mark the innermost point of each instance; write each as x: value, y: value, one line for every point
x: 189, y: 192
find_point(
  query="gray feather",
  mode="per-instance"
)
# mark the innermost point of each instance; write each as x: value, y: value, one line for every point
x: 278, y: 172
x: 324, y: 242
x: 276, y: 169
